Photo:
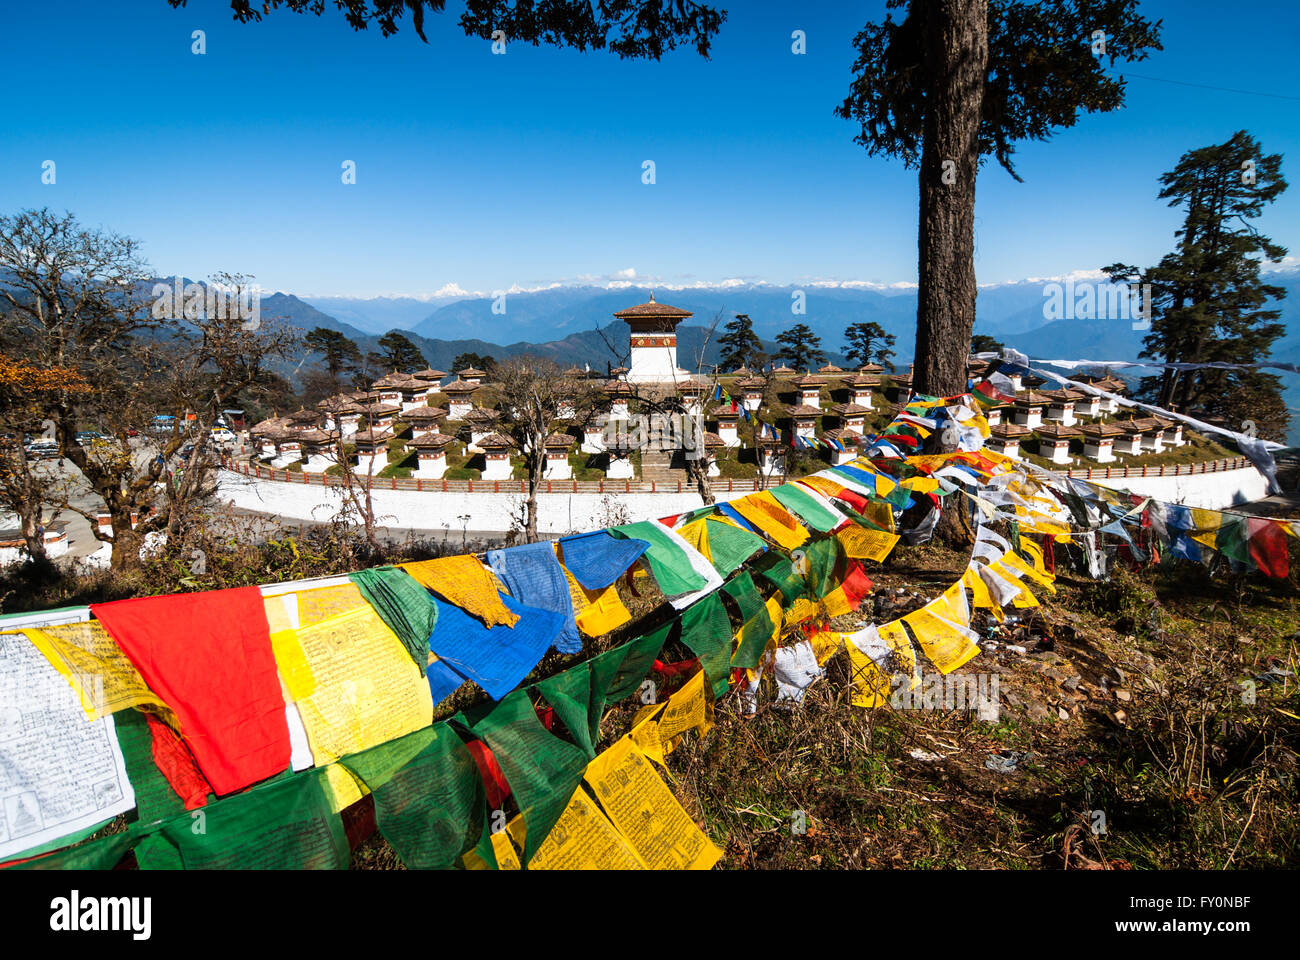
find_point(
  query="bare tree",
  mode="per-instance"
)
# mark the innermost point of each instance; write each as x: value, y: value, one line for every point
x: 355, y: 490
x: 79, y: 299
x: 537, y: 397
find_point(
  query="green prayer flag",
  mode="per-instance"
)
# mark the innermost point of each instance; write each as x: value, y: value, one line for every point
x: 542, y: 770
x: 730, y: 546
x: 1232, y: 540
x: 617, y: 673
x: 376, y: 766
x: 153, y: 852
x: 668, y: 562
x: 104, y: 853
x: 484, y: 848
x: 858, y: 518
x: 706, y: 629
x: 778, y: 571
x: 404, y: 605
x: 899, y: 497
x: 757, y: 626
x: 155, y: 799
x: 822, y: 556
x: 637, y: 657
x: 282, y: 824
x: 430, y: 808
x: 803, y: 505
x: 569, y: 694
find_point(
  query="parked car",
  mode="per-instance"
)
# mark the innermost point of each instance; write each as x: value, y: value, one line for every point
x: 222, y: 435
x: 42, y: 450
x: 93, y: 438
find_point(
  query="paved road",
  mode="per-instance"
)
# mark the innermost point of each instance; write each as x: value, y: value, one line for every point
x: 476, y: 540
x: 81, y: 542
x: 1284, y: 504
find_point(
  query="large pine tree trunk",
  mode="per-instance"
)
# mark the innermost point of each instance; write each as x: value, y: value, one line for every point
x: 957, y: 52
x: 126, y: 541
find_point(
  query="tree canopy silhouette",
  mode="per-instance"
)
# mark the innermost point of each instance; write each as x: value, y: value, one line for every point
x: 632, y: 29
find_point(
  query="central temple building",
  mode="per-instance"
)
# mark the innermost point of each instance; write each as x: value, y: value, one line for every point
x: 653, y: 330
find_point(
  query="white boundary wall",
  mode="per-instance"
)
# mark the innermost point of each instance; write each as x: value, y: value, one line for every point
x: 1210, y: 491
x: 558, y: 513
x: 563, y: 513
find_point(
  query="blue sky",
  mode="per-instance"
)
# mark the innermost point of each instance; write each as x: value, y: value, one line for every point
x: 492, y: 172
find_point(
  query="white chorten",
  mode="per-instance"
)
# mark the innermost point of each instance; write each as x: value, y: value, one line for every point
x: 653, y: 330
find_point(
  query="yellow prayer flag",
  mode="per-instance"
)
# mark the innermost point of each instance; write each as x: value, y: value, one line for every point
x: 765, y: 512
x: 802, y: 609
x: 104, y: 679
x: 1032, y: 521
x: 344, y: 789
x: 1026, y: 597
x: 895, y: 636
x: 920, y: 484
x: 837, y: 603
x: 871, y: 687
x: 941, y: 639
x: 697, y: 535
x: 954, y: 605
x: 980, y: 592
x: 826, y: 643
x: 354, y: 683
x: 584, y: 839
x: 823, y: 485
x: 503, y: 850
x: 689, y: 708
x: 597, y: 612
x: 646, y: 813
x: 325, y: 602
x: 880, y: 512
x: 464, y: 582
x: 861, y: 543
x: 1205, y: 525
x: 645, y: 732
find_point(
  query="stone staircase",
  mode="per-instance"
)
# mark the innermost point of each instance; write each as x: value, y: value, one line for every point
x: 657, y: 465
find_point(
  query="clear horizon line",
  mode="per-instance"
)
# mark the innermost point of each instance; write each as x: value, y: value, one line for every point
x: 456, y: 292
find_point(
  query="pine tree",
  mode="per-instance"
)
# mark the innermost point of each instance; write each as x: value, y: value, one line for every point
x: 396, y: 352
x: 740, y: 345
x: 800, y: 347
x: 959, y: 80
x: 339, y: 354
x: 477, y: 361
x: 862, y: 340
x: 1207, y: 302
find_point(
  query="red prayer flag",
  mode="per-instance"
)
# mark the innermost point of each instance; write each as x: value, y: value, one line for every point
x: 176, y: 763
x: 857, y: 585
x: 854, y: 499
x: 1268, y: 546
x: 674, y: 669
x: 208, y: 657
x: 494, y: 780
